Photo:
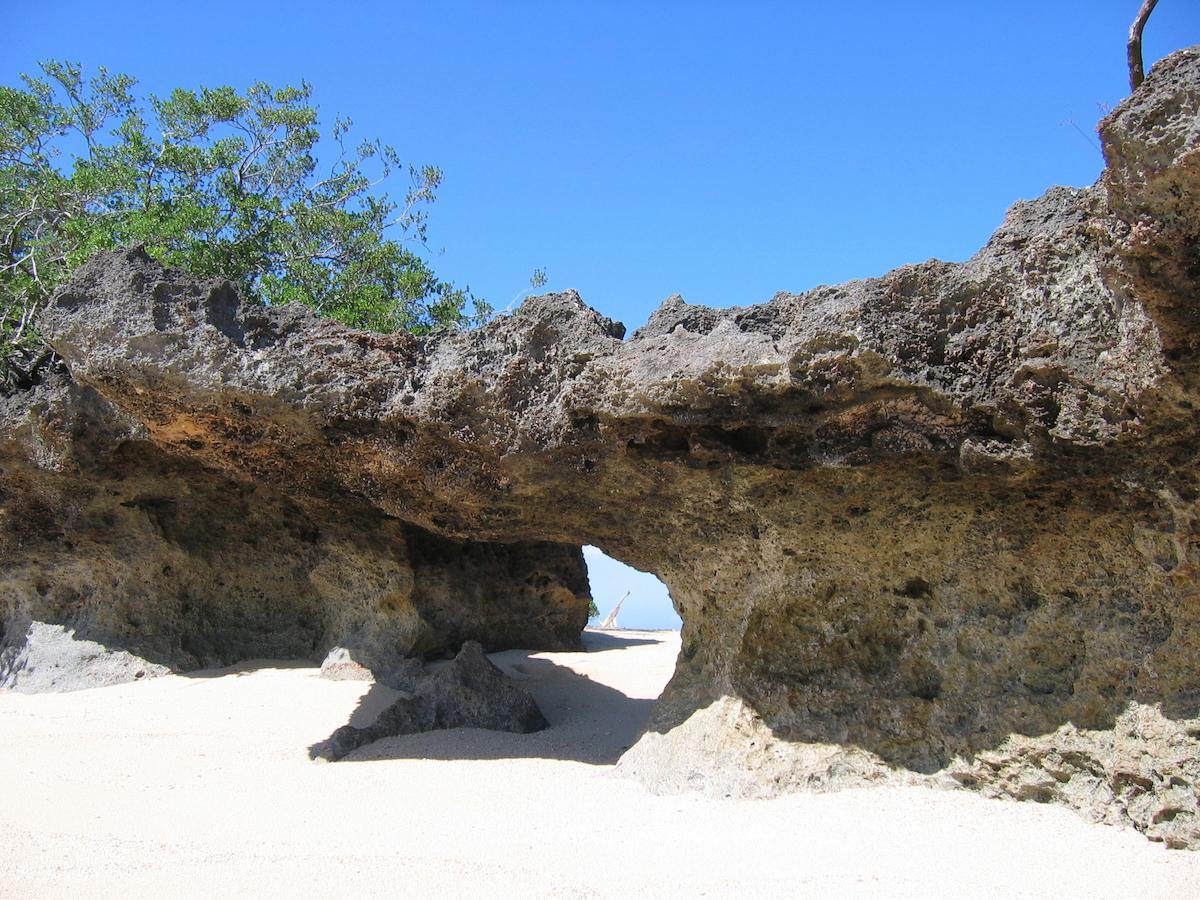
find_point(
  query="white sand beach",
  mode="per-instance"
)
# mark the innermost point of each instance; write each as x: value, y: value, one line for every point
x: 201, y: 786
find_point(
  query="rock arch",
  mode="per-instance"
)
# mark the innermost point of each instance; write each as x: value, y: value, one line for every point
x: 940, y: 524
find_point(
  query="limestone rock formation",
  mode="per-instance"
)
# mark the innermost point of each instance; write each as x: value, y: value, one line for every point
x: 469, y: 692
x: 339, y: 665
x: 936, y: 525
x: 46, y: 658
x: 174, y: 565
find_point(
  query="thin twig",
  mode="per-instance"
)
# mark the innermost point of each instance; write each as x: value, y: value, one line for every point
x: 1083, y: 134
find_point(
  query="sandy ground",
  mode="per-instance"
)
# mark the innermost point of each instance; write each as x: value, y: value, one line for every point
x: 201, y: 786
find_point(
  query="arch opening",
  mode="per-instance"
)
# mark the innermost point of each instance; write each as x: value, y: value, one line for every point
x: 643, y: 600
x: 594, y: 704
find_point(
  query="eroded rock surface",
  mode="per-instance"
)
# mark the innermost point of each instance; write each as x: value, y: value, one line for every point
x: 468, y: 692
x: 137, y: 548
x: 45, y: 658
x: 940, y: 524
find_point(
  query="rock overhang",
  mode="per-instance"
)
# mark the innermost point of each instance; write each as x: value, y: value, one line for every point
x: 944, y: 518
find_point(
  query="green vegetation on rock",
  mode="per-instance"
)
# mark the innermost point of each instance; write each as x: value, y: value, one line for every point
x: 214, y: 181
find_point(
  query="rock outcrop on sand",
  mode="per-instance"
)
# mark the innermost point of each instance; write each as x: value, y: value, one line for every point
x: 177, y: 565
x: 940, y: 524
x: 468, y: 692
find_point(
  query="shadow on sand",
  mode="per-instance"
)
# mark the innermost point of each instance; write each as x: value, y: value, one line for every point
x: 246, y: 667
x: 589, y: 722
x: 594, y: 639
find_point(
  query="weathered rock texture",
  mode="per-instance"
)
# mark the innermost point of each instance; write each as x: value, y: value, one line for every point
x: 942, y: 521
x: 469, y: 692
x: 47, y: 658
x: 146, y: 551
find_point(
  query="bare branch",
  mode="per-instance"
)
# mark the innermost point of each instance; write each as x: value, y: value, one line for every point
x: 1137, y: 73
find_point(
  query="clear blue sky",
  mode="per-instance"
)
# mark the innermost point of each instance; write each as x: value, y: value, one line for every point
x: 725, y: 151
x: 647, y: 606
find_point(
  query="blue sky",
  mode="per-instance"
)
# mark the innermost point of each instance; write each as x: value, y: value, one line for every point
x: 647, y: 606
x: 724, y: 151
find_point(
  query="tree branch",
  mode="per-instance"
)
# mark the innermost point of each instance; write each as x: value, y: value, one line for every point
x: 1137, y: 73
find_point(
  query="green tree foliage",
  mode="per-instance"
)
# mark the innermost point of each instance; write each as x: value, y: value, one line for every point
x: 218, y: 183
